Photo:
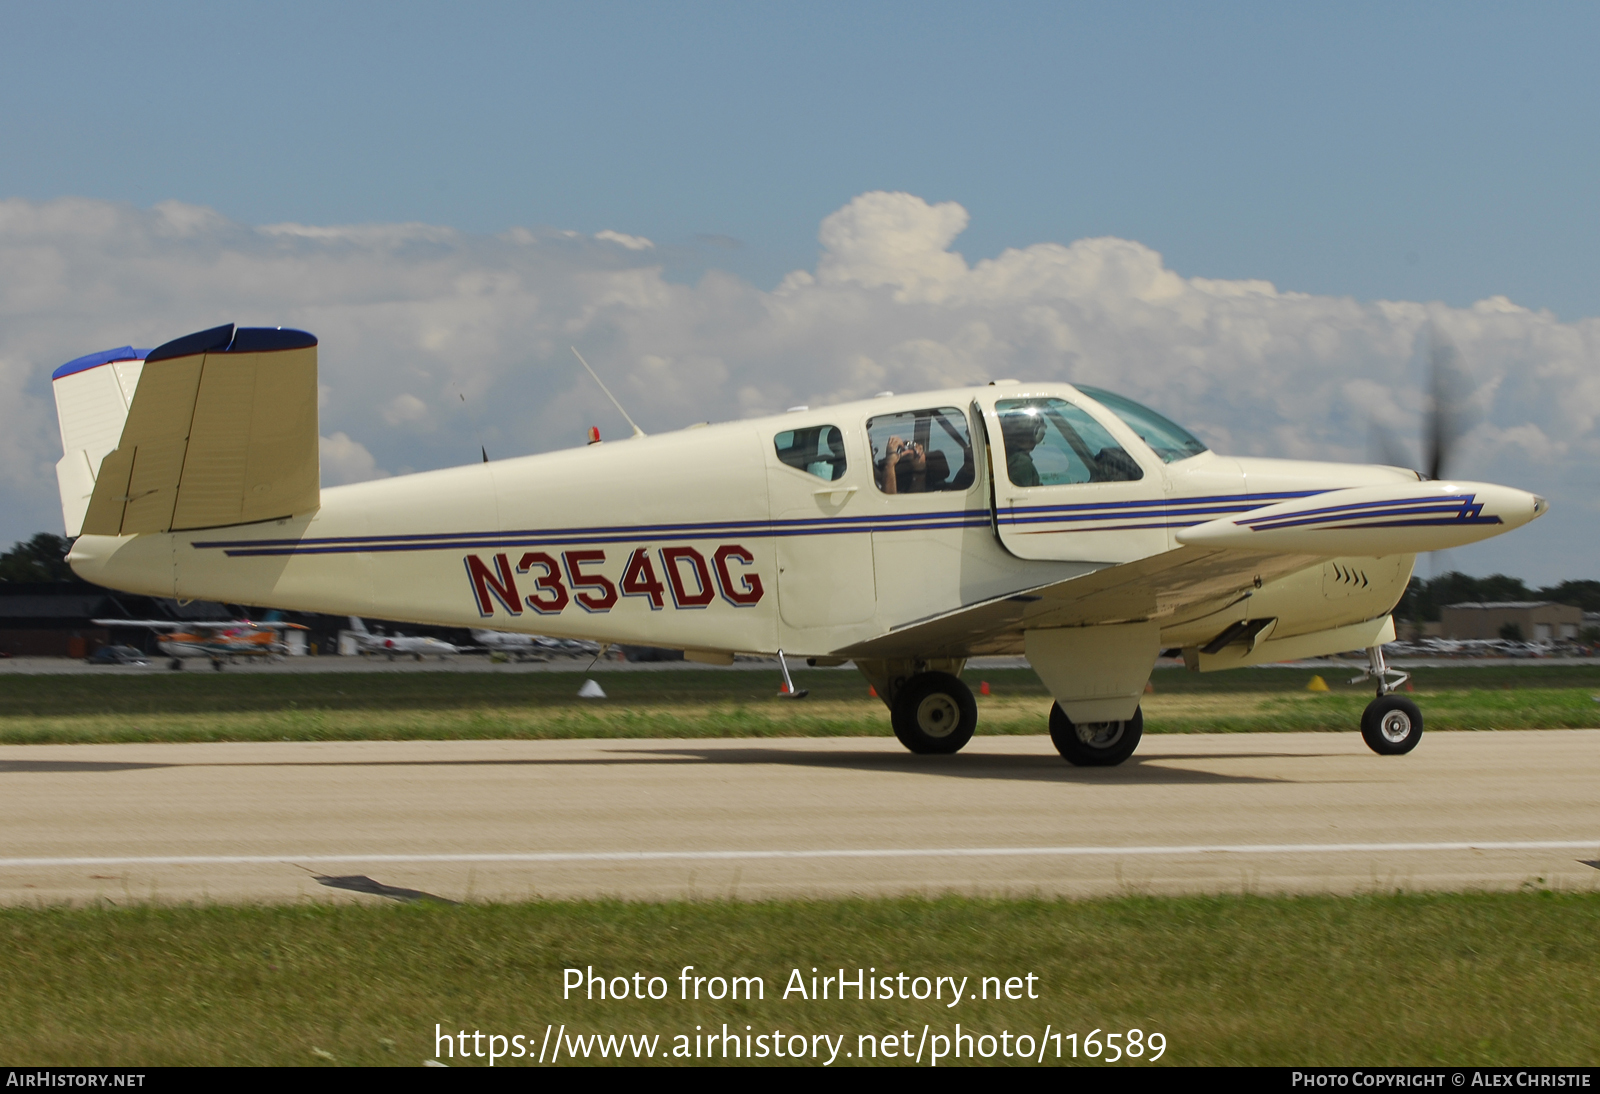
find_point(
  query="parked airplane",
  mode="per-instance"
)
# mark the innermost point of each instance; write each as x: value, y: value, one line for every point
x: 530, y: 646
x: 217, y: 642
x: 402, y: 644
x: 903, y: 533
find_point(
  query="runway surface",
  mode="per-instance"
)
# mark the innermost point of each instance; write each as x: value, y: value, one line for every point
x: 1263, y: 813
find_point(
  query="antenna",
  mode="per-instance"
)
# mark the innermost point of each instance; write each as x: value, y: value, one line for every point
x: 637, y: 432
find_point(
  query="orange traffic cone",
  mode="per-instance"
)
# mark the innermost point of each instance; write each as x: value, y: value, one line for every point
x: 983, y: 688
x: 872, y: 691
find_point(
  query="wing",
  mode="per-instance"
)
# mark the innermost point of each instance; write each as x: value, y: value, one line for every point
x: 1161, y: 587
x: 194, y: 625
x: 1220, y: 560
x: 152, y: 624
x: 222, y: 430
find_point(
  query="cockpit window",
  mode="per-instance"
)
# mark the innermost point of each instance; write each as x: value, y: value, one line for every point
x: 922, y: 451
x: 1167, y: 439
x: 1050, y: 442
x: 817, y: 450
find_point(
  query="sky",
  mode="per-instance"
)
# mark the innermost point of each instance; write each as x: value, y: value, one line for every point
x: 1258, y: 218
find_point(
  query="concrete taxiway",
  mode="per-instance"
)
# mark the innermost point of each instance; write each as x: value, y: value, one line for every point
x: 662, y: 819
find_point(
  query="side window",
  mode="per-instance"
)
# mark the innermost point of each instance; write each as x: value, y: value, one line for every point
x: 818, y: 450
x: 921, y: 451
x: 1050, y: 442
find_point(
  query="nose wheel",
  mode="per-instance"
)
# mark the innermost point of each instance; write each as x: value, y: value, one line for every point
x: 1391, y: 725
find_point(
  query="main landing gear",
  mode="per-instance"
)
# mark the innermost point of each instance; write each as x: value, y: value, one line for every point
x: 1095, y: 744
x: 934, y: 713
x: 1391, y: 725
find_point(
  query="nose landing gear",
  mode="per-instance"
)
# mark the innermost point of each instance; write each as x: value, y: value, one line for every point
x: 1391, y: 725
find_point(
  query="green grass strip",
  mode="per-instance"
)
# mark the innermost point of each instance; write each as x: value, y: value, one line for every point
x: 1487, y: 979
x: 705, y: 704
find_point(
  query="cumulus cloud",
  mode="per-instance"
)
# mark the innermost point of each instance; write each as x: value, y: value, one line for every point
x: 344, y: 461
x: 436, y: 342
x: 406, y: 409
x: 633, y: 243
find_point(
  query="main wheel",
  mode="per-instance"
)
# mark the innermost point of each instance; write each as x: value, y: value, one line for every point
x: 934, y: 713
x: 1391, y: 725
x: 1095, y: 744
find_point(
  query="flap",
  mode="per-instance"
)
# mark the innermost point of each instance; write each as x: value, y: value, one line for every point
x: 1154, y: 588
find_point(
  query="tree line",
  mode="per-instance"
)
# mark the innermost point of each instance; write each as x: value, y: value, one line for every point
x: 1424, y: 597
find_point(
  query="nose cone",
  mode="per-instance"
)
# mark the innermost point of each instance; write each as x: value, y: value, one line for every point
x: 1506, y: 505
x: 1375, y: 520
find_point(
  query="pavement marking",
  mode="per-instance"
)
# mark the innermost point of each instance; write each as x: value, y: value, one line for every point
x: 887, y: 852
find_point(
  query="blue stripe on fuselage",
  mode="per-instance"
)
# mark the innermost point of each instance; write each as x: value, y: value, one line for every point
x: 1159, y: 511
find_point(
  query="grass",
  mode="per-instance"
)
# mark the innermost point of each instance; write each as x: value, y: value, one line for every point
x: 697, y: 703
x: 1488, y: 979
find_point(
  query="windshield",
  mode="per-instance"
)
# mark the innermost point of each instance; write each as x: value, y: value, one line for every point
x: 1167, y: 439
x: 1050, y: 442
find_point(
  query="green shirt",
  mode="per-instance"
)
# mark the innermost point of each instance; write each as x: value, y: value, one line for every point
x: 1019, y: 465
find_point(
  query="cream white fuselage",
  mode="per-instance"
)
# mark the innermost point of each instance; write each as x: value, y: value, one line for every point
x: 705, y: 540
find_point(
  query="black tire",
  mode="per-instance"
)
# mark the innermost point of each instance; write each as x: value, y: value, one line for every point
x: 175, y: 665
x: 1095, y: 744
x: 934, y: 714
x: 1391, y: 725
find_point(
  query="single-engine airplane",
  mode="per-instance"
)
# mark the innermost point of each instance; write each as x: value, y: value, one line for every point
x: 218, y: 642
x: 530, y: 647
x: 902, y: 533
x: 404, y: 645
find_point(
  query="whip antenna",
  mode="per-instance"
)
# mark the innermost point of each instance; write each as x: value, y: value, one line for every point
x: 637, y: 432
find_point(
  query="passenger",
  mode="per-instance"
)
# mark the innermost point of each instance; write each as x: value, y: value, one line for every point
x: 963, y: 478
x: 917, y: 471
x: 905, y: 467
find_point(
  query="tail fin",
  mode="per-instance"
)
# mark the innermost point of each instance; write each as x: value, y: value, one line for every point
x: 223, y: 430
x: 93, y: 394
x: 358, y: 624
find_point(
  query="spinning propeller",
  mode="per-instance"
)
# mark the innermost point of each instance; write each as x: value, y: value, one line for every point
x: 1447, y: 418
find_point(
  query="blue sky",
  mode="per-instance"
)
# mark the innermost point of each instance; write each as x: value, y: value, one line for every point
x: 1420, y: 153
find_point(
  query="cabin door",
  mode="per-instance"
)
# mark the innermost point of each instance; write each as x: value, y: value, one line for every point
x: 823, y: 537
x: 1065, y: 485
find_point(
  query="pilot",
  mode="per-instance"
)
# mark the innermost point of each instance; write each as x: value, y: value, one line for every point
x: 1023, y: 430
